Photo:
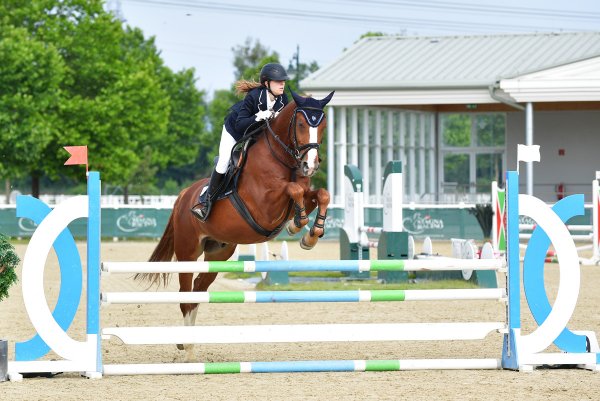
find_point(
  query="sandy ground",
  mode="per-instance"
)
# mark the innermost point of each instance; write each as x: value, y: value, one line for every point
x: 547, y: 384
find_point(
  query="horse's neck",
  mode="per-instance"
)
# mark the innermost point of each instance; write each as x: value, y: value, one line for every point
x: 272, y: 158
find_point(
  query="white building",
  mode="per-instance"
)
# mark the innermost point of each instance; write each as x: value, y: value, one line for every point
x: 454, y: 108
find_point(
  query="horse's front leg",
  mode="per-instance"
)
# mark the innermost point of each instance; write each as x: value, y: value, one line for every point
x: 318, y: 198
x: 296, y: 192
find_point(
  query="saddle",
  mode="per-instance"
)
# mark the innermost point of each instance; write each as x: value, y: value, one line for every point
x: 235, y: 167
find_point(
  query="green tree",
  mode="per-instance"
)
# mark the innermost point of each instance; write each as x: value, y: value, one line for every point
x: 250, y: 56
x: 116, y: 95
x: 30, y: 76
x: 186, y: 127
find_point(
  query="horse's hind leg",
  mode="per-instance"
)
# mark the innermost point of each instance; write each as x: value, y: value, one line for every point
x: 201, y: 284
x: 187, y: 310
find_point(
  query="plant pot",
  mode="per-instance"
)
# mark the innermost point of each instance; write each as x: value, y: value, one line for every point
x: 3, y: 360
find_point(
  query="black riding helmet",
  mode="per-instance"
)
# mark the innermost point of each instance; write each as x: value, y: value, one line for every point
x: 273, y: 72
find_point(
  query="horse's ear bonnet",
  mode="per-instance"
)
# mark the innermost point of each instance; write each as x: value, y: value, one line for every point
x: 311, y: 108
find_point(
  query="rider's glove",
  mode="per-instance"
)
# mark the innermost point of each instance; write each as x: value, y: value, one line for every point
x: 263, y: 115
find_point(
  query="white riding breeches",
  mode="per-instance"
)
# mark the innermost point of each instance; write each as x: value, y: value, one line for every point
x: 227, y: 143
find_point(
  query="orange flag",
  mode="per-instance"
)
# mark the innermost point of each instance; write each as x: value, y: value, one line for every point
x: 78, y: 155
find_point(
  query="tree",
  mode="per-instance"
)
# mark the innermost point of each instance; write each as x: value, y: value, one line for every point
x: 116, y: 95
x: 30, y: 76
x: 186, y: 127
x: 249, y: 56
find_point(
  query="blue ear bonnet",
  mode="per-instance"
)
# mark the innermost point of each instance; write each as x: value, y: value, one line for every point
x: 311, y: 108
x: 313, y: 116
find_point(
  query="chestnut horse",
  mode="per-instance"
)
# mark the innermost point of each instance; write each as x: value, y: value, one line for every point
x: 275, y: 176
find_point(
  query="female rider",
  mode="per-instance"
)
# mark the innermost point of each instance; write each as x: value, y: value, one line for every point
x: 263, y: 100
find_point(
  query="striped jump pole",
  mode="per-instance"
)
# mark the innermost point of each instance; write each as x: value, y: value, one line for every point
x: 302, y: 296
x: 440, y: 264
x: 301, y: 366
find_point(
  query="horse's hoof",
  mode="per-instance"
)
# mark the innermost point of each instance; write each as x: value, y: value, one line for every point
x: 305, y: 246
x: 292, y: 229
x: 180, y: 347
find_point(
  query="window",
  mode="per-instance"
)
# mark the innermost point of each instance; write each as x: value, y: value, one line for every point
x: 472, y: 152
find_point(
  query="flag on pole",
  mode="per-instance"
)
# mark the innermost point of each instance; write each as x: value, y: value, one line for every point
x: 78, y: 156
x: 529, y: 153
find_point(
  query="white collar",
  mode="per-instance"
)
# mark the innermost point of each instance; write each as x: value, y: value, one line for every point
x: 270, y: 103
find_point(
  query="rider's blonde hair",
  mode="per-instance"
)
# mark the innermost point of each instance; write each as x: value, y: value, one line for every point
x: 244, y: 86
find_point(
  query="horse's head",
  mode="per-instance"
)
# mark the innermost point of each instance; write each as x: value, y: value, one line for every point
x: 306, y: 128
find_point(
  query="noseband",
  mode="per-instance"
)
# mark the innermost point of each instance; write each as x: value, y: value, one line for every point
x: 295, y: 151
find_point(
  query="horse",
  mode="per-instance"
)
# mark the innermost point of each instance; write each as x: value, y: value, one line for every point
x: 273, y: 190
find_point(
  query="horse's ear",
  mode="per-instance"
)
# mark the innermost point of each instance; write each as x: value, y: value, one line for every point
x: 323, y: 102
x: 298, y: 99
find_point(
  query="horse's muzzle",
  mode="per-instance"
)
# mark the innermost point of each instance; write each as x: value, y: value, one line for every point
x: 307, y: 170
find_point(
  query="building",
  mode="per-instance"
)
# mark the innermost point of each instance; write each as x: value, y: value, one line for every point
x: 454, y: 108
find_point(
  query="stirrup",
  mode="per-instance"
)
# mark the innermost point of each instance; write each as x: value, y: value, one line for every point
x: 201, y: 213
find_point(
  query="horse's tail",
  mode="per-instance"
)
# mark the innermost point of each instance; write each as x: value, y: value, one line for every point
x: 163, y: 252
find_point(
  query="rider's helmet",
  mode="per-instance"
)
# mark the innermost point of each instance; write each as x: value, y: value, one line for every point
x: 273, y: 72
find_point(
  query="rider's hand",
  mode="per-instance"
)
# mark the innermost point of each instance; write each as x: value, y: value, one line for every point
x: 263, y: 115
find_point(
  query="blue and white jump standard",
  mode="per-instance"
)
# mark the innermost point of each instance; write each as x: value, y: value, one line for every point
x: 521, y: 352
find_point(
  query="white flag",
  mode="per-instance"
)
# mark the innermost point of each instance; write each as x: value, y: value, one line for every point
x: 528, y: 153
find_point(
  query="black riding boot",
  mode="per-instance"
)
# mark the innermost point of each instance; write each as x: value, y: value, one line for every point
x: 203, y: 210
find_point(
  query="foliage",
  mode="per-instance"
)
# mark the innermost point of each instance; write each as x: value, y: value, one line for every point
x: 30, y: 76
x: 484, y: 215
x: 99, y: 84
x: 456, y: 130
x: 8, y: 262
x: 249, y: 58
x: 371, y: 35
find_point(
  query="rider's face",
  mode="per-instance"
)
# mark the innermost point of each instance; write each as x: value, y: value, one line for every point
x: 277, y: 87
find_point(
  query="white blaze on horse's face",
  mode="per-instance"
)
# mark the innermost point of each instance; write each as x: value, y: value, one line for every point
x: 311, y: 162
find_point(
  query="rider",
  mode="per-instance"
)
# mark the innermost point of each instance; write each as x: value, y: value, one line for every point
x: 263, y: 100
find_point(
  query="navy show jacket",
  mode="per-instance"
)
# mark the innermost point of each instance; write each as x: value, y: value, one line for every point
x: 243, y: 113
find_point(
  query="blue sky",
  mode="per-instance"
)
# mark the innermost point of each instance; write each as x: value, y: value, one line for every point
x: 201, y: 34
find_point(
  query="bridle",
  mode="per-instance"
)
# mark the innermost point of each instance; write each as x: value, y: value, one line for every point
x: 295, y: 151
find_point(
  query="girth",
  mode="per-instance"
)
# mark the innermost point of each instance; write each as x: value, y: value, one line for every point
x: 240, y: 206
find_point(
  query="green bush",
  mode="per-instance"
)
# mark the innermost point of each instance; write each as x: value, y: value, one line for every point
x: 8, y: 262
